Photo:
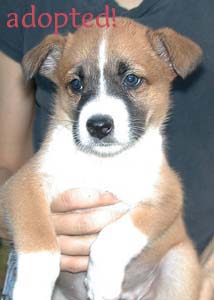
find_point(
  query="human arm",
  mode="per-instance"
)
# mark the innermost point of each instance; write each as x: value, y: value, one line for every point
x: 16, y: 119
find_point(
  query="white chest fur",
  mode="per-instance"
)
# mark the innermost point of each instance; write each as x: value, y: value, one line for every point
x: 131, y: 175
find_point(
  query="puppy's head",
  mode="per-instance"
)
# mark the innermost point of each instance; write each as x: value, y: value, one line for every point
x: 113, y: 84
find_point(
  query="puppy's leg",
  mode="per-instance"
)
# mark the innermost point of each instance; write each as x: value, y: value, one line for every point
x: 180, y: 274
x: 34, y: 237
x: 126, y: 238
x: 36, y: 275
x: 120, y: 242
x: 115, y: 246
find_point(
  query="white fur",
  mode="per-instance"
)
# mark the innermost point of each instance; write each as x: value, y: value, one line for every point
x: 112, y: 251
x: 102, y: 60
x: 130, y: 175
x: 37, y: 273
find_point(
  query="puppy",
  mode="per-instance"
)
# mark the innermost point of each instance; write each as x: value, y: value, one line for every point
x: 112, y: 99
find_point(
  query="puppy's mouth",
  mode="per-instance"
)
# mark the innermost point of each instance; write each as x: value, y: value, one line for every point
x: 105, y: 127
x: 104, y: 149
x: 100, y: 137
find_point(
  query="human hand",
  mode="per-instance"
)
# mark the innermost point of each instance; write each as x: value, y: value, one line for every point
x: 78, y: 216
x: 207, y: 262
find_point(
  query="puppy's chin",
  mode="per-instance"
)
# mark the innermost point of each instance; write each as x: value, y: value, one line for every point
x: 102, y: 149
x: 108, y: 146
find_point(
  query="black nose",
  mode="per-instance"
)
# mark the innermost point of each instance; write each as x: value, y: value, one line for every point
x: 100, y: 126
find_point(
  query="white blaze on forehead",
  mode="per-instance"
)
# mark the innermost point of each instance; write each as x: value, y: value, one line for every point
x: 102, y: 61
x: 104, y: 104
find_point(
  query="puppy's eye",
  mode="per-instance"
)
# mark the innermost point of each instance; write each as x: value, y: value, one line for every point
x: 75, y: 85
x: 132, y: 81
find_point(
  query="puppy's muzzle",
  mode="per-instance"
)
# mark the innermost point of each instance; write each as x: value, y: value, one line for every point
x: 100, y: 126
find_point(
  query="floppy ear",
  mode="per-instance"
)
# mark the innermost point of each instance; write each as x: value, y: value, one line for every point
x: 180, y: 53
x: 44, y: 57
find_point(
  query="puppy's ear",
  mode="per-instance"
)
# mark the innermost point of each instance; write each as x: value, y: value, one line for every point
x: 44, y: 57
x: 180, y: 53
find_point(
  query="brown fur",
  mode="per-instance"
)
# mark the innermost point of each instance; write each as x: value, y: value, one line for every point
x: 28, y: 209
x: 163, y: 211
x: 161, y: 219
x: 180, y: 53
x: 40, y: 53
x: 179, y: 56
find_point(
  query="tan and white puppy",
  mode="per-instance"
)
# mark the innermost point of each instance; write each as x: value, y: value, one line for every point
x: 113, y: 95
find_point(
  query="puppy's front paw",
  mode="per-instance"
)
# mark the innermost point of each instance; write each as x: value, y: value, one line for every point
x: 102, y: 286
x: 110, y: 254
x: 105, y: 272
x: 36, y: 276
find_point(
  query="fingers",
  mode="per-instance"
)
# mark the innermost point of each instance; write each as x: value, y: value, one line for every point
x: 81, y: 199
x: 74, y: 264
x: 75, y: 251
x: 75, y: 245
x: 88, y: 222
x: 90, y: 211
